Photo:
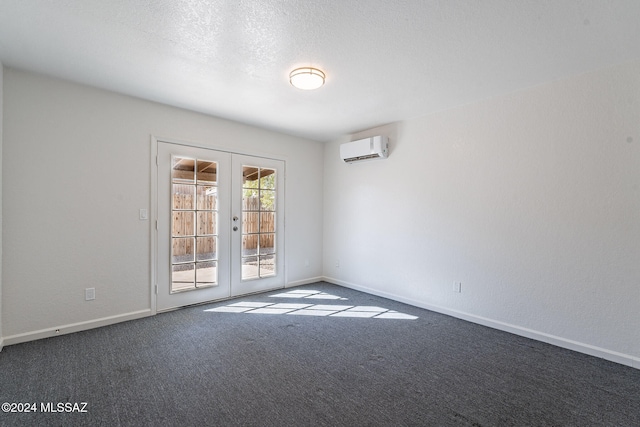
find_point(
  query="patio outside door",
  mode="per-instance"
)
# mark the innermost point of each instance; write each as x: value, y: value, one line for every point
x: 220, y: 230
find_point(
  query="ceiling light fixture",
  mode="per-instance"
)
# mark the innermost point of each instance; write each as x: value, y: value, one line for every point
x: 307, y: 78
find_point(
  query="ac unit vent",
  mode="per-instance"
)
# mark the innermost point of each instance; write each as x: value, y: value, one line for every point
x: 367, y: 157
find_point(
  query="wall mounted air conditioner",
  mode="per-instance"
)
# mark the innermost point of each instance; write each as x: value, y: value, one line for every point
x: 375, y: 147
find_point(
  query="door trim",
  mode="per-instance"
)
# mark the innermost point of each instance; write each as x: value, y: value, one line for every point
x: 153, y: 201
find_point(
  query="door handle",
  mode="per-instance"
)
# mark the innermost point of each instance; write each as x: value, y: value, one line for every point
x: 235, y: 219
x: 235, y: 228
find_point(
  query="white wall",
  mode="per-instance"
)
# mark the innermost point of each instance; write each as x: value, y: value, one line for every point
x: 530, y: 200
x: 1, y: 133
x: 76, y: 172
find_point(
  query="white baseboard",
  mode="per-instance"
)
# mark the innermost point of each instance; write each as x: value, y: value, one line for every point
x: 603, y: 353
x: 304, y: 282
x: 105, y: 321
x: 74, y: 327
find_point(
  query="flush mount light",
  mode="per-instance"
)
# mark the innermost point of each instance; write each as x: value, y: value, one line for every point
x: 306, y: 78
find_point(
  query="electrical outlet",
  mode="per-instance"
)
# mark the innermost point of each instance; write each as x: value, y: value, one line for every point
x: 337, y: 263
x: 89, y: 294
x: 457, y: 287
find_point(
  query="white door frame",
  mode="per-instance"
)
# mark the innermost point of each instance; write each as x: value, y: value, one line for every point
x: 153, y: 217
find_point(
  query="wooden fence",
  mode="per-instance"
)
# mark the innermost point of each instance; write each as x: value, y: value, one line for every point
x: 205, y: 223
x: 255, y: 221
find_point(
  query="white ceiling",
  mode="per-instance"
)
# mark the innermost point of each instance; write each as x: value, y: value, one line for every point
x: 385, y: 60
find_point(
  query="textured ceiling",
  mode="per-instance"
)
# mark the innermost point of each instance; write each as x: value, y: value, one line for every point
x: 385, y: 60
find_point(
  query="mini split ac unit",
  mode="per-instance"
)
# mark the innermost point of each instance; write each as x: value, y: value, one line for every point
x: 375, y: 147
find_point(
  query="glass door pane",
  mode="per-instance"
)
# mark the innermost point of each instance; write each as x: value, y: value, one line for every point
x: 194, y: 224
x: 258, y: 222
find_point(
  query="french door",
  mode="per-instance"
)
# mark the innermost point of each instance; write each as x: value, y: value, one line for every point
x: 220, y: 229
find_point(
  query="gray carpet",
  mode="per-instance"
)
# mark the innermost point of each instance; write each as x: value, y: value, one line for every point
x: 198, y: 366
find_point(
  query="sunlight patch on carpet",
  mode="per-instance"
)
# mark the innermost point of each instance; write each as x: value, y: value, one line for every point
x: 320, y: 310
